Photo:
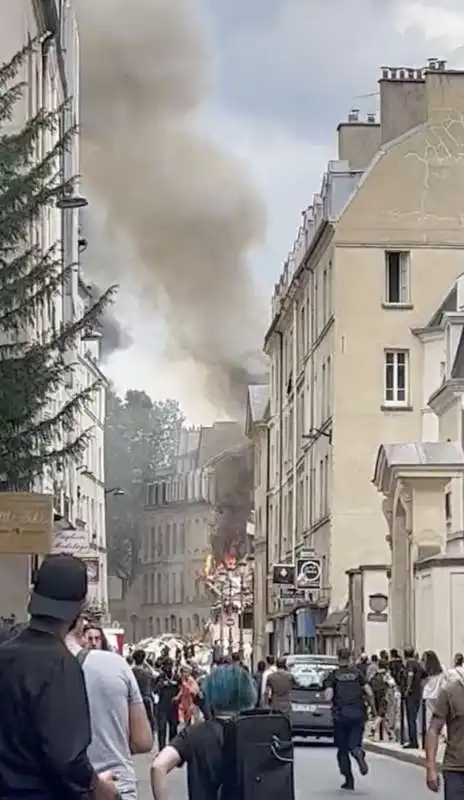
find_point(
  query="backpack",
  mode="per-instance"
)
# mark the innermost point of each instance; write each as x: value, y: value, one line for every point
x: 379, y: 686
x: 258, y: 756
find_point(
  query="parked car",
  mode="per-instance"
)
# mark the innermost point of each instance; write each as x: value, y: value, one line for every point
x: 311, y: 714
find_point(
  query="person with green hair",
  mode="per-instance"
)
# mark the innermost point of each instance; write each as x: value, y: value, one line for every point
x: 228, y: 691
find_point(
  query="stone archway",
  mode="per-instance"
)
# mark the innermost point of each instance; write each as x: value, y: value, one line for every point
x: 412, y: 479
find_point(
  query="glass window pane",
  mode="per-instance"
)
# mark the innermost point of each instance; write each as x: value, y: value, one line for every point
x: 389, y: 376
x: 401, y: 377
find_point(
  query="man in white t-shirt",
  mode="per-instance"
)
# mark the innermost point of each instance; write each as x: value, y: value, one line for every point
x: 270, y: 668
x: 120, y: 727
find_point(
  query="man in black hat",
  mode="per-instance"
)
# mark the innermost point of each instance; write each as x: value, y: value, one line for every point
x: 44, y: 718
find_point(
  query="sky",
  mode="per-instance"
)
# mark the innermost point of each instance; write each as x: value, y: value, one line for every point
x: 286, y: 72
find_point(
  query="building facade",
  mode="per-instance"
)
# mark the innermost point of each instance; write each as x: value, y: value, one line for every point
x: 180, y: 517
x: 376, y: 252
x: 51, y: 75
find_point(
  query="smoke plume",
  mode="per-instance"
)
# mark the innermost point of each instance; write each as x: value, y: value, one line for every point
x: 188, y: 208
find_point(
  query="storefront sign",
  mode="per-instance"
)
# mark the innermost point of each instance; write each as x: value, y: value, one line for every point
x: 283, y: 574
x: 26, y: 523
x: 72, y: 541
x: 308, y: 573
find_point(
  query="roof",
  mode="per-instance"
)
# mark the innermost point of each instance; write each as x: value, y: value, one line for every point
x: 457, y: 370
x: 258, y: 397
x: 335, y: 620
x: 415, y: 454
x: 450, y: 303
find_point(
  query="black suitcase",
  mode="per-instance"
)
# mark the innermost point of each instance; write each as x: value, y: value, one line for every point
x: 258, y: 757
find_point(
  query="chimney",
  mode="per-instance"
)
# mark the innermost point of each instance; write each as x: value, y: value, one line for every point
x: 358, y: 140
x: 403, y: 103
x: 444, y: 90
x: 353, y: 116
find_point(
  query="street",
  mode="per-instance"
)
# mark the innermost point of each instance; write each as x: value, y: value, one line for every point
x: 317, y: 777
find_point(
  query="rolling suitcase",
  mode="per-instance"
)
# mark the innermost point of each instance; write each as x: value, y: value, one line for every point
x: 258, y: 757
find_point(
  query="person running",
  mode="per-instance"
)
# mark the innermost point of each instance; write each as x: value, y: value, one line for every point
x: 347, y: 689
x: 228, y: 691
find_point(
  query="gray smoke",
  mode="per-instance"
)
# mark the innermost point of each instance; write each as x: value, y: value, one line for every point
x: 104, y: 254
x: 188, y: 208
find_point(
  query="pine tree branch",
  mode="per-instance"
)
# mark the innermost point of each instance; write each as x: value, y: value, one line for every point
x: 9, y: 98
x: 69, y: 333
x: 65, y: 418
x: 10, y: 69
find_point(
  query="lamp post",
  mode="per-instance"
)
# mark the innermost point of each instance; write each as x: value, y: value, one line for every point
x: 230, y: 637
x: 221, y: 579
x: 242, y: 568
x: 116, y: 490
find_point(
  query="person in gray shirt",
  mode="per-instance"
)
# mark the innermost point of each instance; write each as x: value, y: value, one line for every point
x: 120, y: 727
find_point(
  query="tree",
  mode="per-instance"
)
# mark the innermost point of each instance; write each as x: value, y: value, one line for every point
x: 35, y: 430
x: 140, y: 439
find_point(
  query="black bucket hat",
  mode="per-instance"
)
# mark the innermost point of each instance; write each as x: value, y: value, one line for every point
x: 60, y: 588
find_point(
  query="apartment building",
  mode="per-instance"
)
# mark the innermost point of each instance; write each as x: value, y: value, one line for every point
x: 180, y: 519
x: 51, y: 75
x: 376, y: 252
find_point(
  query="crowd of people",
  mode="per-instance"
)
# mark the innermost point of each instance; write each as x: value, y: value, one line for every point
x: 74, y: 713
x: 405, y: 688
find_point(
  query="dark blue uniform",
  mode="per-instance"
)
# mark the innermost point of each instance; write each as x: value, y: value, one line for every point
x: 347, y: 684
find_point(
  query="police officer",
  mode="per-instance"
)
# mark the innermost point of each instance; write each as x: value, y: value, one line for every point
x: 347, y: 689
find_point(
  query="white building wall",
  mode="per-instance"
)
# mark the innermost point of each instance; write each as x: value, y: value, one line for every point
x: 77, y: 495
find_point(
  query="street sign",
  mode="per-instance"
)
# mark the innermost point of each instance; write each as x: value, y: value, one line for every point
x: 229, y: 622
x: 291, y: 593
x: 308, y: 573
x: 283, y: 574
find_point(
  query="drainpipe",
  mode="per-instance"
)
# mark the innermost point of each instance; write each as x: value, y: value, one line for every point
x: 295, y: 430
x: 268, y: 505
x: 281, y: 437
x: 312, y: 420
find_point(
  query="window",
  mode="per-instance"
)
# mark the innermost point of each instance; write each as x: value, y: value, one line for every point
x: 174, y: 538
x: 448, y: 512
x: 396, y: 377
x: 397, y: 277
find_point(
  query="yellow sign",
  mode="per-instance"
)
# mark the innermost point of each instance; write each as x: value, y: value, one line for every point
x: 26, y: 523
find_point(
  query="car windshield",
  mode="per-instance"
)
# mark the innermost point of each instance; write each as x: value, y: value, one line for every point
x: 309, y: 675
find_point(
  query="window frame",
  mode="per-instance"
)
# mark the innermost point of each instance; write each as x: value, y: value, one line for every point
x: 405, y: 266
x: 395, y: 402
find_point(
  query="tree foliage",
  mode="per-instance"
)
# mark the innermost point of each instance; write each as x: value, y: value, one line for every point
x: 35, y: 430
x: 140, y: 439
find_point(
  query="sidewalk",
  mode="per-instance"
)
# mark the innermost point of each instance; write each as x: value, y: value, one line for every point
x: 396, y: 751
